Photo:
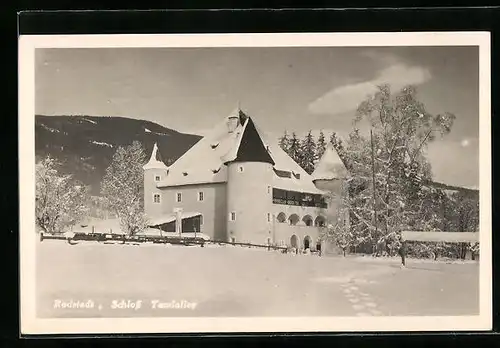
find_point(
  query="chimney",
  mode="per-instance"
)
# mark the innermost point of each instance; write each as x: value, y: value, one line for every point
x: 232, y: 123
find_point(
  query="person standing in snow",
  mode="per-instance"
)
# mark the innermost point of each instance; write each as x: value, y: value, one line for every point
x: 402, y: 250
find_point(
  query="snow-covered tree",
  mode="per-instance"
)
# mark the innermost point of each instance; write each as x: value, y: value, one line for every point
x: 122, y: 187
x: 390, y: 167
x: 308, y: 153
x: 474, y: 249
x: 337, y: 144
x: 294, y: 149
x: 343, y: 236
x: 99, y: 209
x: 284, y: 142
x: 320, y: 145
x: 466, y: 211
x: 60, y: 202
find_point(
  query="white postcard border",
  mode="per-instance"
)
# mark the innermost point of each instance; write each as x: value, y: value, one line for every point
x: 30, y: 324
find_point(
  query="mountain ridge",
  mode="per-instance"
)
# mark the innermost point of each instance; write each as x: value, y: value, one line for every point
x: 85, y: 144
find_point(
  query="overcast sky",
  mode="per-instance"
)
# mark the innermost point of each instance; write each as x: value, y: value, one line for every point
x: 297, y: 89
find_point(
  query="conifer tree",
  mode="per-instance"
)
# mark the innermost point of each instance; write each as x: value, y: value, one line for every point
x: 320, y: 145
x: 308, y: 153
x: 284, y: 142
x: 294, y: 150
x: 337, y: 142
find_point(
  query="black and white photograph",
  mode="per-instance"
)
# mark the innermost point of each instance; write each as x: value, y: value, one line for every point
x: 255, y: 182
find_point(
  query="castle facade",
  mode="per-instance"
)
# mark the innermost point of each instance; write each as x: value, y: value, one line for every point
x: 237, y: 185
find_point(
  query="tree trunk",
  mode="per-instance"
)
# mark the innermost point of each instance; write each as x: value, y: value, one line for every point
x: 343, y: 250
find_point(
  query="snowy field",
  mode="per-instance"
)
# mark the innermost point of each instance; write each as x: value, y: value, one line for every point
x: 236, y: 281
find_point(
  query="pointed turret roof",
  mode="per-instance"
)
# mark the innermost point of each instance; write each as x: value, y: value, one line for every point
x: 330, y: 166
x: 250, y: 146
x: 155, y: 161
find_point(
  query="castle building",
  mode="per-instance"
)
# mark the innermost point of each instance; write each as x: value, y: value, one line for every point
x: 236, y: 184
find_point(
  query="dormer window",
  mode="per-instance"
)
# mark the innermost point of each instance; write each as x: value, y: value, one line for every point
x: 283, y: 173
x: 157, y: 178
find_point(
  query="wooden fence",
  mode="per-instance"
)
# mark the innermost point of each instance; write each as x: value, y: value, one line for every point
x: 108, y: 237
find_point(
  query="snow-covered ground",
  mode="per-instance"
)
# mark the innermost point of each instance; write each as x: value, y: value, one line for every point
x: 237, y: 281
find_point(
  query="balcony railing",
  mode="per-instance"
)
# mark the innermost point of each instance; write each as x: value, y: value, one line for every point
x: 303, y: 203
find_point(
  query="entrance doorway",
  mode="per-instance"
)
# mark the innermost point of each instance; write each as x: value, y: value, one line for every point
x: 293, y: 241
x: 307, y: 242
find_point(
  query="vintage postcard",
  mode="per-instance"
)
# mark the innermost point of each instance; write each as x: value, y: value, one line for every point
x: 255, y: 183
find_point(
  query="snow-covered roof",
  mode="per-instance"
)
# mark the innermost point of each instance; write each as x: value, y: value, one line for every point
x: 156, y: 232
x: 236, y: 138
x: 440, y: 236
x: 330, y: 166
x: 164, y: 219
x: 155, y: 161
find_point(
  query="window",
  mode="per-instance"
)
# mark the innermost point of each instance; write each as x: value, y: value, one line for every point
x: 201, y: 220
x: 233, y: 240
x: 200, y: 196
x: 178, y: 197
x: 240, y: 169
x: 268, y: 217
x: 156, y: 198
x: 157, y: 178
x: 269, y: 189
x: 268, y: 241
x: 232, y: 216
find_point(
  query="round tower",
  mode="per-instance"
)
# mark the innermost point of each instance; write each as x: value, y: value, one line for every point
x: 155, y: 171
x: 249, y: 186
x: 330, y: 175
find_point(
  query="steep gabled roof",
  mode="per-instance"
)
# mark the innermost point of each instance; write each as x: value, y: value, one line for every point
x: 155, y: 161
x: 206, y: 161
x: 330, y: 166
